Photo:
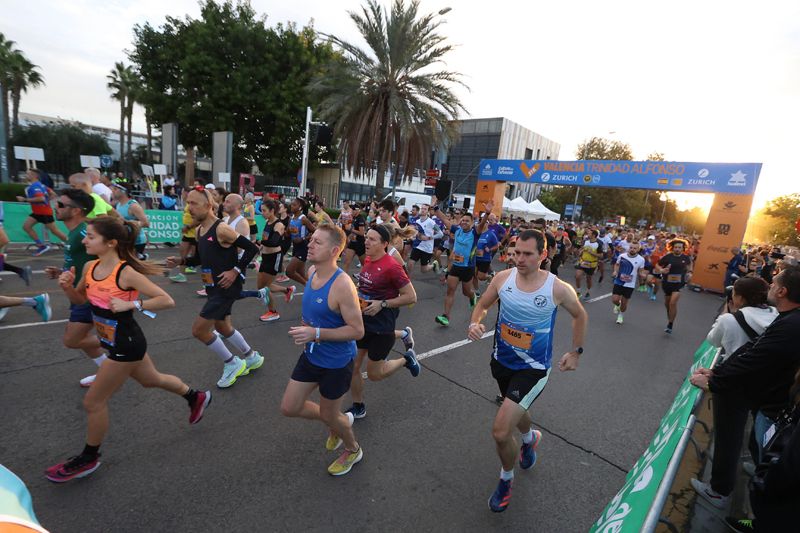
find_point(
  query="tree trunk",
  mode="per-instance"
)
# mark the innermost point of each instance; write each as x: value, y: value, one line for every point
x: 382, y: 159
x: 129, y: 112
x: 6, y: 117
x: 189, y: 174
x: 15, y: 96
x: 149, y: 138
x: 122, y: 135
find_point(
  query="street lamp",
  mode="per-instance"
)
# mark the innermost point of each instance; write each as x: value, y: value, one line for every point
x: 304, y: 169
x: 663, y: 198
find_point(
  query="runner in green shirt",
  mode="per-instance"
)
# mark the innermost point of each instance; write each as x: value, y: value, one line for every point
x: 83, y: 182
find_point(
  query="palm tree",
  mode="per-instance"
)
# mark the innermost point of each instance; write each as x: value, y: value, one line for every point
x: 23, y: 76
x: 388, y: 104
x: 6, y: 50
x: 134, y: 90
x: 118, y: 85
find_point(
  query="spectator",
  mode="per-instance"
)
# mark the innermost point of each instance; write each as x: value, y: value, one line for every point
x: 749, y: 298
x: 734, y: 270
x: 98, y: 187
x: 169, y: 200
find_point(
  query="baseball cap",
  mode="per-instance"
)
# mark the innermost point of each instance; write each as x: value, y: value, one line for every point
x: 210, y: 186
x: 651, y: 237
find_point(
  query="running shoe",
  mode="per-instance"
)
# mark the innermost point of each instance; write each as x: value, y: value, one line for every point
x: 269, y: 316
x: 710, y: 495
x: 253, y: 362
x: 282, y: 278
x: 230, y: 372
x: 190, y: 270
x: 74, y: 467
x: 652, y: 297
x: 201, y: 292
x: 668, y: 330
x: 615, y: 309
x: 358, y: 264
x: 3, y: 313
x: 43, y: 306
x: 178, y: 278
x: 408, y: 341
x: 586, y: 296
x: 358, y: 411
x: 443, y: 320
x: 502, y: 494
x: 26, y: 274
x: 201, y: 401
x: 435, y: 266
x: 40, y: 250
x: 87, y: 381
x: 345, y: 462
x: 334, y: 441
x: 411, y: 362
x: 739, y: 525
x: 290, y: 290
x: 600, y: 279
x: 264, y: 295
x: 473, y: 300
x: 527, y: 452
x: 619, y: 319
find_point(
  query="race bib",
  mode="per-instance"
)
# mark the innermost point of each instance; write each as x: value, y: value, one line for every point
x: 207, y: 277
x: 479, y: 252
x: 294, y: 230
x: 674, y: 278
x: 516, y: 338
x: 363, y: 303
x: 625, y: 278
x: 458, y: 258
x: 106, y: 330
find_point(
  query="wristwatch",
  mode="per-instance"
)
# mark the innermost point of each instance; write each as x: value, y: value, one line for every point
x: 384, y: 304
x: 578, y: 350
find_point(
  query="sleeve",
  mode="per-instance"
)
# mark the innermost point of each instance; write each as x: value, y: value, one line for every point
x: 453, y: 228
x: 749, y: 369
x: 399, y: 277
x: 714, y: 336
x: 664, y: 261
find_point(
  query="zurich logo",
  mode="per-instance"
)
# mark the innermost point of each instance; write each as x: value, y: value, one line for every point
x: 546, y: 177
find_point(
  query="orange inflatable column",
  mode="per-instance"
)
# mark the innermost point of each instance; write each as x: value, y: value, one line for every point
x: 486, y: 191
x: 725, y: 227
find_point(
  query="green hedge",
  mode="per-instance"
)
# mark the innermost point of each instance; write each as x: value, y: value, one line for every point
x: 10, y: 191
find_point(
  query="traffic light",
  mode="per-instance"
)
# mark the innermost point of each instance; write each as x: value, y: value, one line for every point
x: 587, y: 200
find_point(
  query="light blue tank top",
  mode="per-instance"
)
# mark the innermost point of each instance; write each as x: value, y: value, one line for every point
x: 317, y: 314
x: 123, y: 211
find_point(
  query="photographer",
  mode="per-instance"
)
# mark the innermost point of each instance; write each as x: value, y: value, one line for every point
x: 749, y: 297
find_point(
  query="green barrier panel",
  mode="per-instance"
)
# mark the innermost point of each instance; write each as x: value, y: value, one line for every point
x: 629, y: 508
x: 165, y: 226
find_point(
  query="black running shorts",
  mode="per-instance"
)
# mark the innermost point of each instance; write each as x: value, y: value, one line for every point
x: 669, y: 288
x: 520, y: 386
x: 217, y: 306
x: 464, y: 274
x: 483, y: 266
x: 378, y: 345
x: 620, y: 290
x: 271, y: 263
x: 418, y: 256
x: 333, y: 382
x: 358, y: 247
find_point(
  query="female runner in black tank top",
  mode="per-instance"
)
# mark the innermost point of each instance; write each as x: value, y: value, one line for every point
x: 272, y: 258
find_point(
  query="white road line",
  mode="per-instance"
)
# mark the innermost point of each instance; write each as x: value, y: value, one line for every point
x: 590, y: 300
x: 442, y: 349
x: 14, y: 326
x: 8, y: 273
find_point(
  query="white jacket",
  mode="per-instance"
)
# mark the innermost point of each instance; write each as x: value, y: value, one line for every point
x: 728, y: 334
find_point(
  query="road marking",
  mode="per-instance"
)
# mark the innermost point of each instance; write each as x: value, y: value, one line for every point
x: 442, y: 349
x: 9, y: 273
x: 13, y: 326
x: 590, y: 300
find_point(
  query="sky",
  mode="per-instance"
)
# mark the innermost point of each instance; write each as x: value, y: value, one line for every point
x: 707, y: 81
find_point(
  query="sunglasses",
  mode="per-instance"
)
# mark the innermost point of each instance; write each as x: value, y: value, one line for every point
x: 62, y: 205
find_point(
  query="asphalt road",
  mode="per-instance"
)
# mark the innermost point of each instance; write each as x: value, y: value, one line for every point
x: 429, y: 459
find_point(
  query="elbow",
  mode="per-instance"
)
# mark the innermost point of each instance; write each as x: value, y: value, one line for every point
x: 359, y: 331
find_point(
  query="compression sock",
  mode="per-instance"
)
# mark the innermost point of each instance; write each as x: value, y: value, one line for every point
x: 238, y: 342
x: 38, y: 242
x: 219, y: 348
x: 249, y: 294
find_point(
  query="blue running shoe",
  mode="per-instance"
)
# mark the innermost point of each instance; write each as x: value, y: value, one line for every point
x: 527, y: 453
x: 502, y: 494
x: 411, y: 362
x: 43, y: 306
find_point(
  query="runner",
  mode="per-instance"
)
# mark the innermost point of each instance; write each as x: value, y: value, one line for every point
x: 523, y: 345
x: 654, y: 279
x: 383, y: 288
x: 627, y: 271
x: 591, y: 254
x: 676, y: 271
x: 462, y: 264
x: 101, y: 207
x: 113, y: 291
x: 427, y: 232
x: 608, y: 250
x: 188, y: 246
x: 488, y: 243
x: 129, y: 209
x: 272, y: 259
x: 249, y: 212
x: 563, y: 245
x: 331, y: 323
x: 23, y: 272
x: 232, y: 207
x: 72, y: 208
x: 222, y: 274
x: 357, y: 234
x: 38, y: 195
x: 40, y: 304
x: 286, y: 243
x: 300, y: 228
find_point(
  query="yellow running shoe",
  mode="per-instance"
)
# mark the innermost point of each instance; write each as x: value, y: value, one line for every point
x: 345, y: 462
x: 334, y: 441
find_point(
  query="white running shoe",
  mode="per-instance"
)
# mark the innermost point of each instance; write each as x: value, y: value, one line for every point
x: 615, y: 309
x: 619, y: 318
x: 253, y: 362
x: 230, y: 372
x: 87, y: 381
x: 3, y: 313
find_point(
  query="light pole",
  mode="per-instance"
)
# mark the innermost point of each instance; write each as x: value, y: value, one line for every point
x: 304, y: 168
x: 663, y: 198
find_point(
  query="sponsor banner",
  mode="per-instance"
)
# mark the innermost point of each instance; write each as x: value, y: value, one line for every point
x: 628, y: 509
x: 734, y: 178
x: 724, y: 231
x: 165, y: 226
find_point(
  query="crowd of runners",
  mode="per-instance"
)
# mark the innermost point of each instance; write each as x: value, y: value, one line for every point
x: 355, y: 274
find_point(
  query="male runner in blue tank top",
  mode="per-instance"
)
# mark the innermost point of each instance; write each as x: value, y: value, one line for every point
x: 331, y: 324
x: 523, y: 349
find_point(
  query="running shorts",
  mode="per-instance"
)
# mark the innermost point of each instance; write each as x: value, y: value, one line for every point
x: 333, y: 382
x: 300, y: 251
x: 464, y: 274
x: 483, y: 266
x: 621, y: 290
x: 520, y: 386
x: 669, y: 288
x: 378, y: 345
x: 587, y: 270
x: 81, y: 313
x: 44, y: 219
x: 271, y: 263
x: 253, y: 229
x: 421, y: 257
x: 129, y: 344
x: 217, y: 306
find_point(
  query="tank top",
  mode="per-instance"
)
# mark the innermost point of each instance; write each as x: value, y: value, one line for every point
x: 124, y: 212
x: 317, y: 314
x: 216, y: 259
x: 269, y: 238
x: 523, y: 336
x: 297, y: 228
x: 232, y: 223
x: 287, y: 237
x: 109, y: 325
x: 464, y: 247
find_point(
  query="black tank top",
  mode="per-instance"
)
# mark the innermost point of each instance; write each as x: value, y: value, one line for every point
x: 287, y: 237
x: 216, y: 259
x: 272, y: 239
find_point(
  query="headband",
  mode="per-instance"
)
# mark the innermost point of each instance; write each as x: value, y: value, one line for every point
x: 384, y: 233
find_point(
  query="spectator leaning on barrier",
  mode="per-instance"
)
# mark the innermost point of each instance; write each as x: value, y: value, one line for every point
x: 763, y: 374
x: 749, y: 303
